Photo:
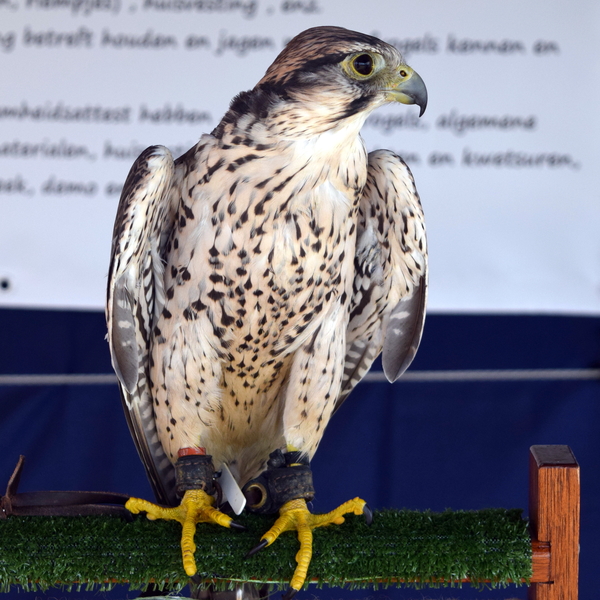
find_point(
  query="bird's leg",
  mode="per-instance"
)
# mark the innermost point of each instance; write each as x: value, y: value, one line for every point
x: 287, y: 484
x: 195, y: 474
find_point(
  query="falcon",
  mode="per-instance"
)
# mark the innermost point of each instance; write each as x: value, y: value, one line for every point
x: 254, y: 280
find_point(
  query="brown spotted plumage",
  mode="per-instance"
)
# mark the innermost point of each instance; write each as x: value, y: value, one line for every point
x: 255, y: 279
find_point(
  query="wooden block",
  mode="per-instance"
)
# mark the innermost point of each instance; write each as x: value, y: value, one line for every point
x: 554, y: 506
x: 540, y: 558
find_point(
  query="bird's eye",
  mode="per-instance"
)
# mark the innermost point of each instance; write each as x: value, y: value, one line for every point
x: 363, y: 64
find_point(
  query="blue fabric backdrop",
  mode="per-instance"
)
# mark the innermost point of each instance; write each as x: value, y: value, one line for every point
x: 457, y: 445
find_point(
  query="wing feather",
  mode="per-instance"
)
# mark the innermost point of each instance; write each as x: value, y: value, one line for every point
x: 390, y: 284
x: 136, y: 297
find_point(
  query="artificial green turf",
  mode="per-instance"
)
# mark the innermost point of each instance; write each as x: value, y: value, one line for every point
x: 416, y: 547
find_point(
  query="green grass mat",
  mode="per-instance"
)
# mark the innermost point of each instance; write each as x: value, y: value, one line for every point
x: 417, y: 547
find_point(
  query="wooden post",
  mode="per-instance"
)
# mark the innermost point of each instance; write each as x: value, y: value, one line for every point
x: 554, y: 517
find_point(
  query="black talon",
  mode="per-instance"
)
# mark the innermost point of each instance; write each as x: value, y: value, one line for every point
x: 291, y: 592
x: 256, y: 549
x: 368, y: 514
x: 238, y: 526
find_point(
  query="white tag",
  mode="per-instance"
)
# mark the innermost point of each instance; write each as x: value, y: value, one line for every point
x: 231, y: 490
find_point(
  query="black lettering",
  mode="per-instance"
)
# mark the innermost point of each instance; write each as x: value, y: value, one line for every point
x: 461, y: 124
x: 14, y: 185
x: 62, y: 113
x: 426, y: 44
x: 247, y: 8
x: 113, y: 189
x: 8, y: 41
x: 76, y: 7
x: 518, y: 160
x: 542, y: 47
x: 469, y: 46
x: 440, y: 159
x: 148, y: 40
x: 388, y: 123
x: 56, y: 187
x: 242, y: 45
x: 45, y: 149
x: 195, y: 42
x: 411, y: 158
x: 82, y: 38
x: 178, y: 115
x: 307, y: 7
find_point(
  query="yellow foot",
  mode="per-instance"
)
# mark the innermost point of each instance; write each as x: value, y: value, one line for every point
x: 295, y: 515
x: 196, y: 507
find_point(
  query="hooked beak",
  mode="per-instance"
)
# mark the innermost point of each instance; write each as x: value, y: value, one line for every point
x: 408, y: 88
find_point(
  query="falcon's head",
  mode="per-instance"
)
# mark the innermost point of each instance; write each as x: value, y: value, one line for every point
x: 326, y: 75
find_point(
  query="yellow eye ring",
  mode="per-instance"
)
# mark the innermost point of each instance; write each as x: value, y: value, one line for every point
x: 362, y: 65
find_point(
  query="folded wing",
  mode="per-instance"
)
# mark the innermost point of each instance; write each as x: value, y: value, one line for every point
x: 135, y: 298
x: 390, y: 283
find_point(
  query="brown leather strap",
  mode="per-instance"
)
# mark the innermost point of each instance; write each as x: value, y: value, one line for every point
x: 58, y: 503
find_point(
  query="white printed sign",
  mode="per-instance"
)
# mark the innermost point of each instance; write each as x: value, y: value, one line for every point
x: 505, y: 158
